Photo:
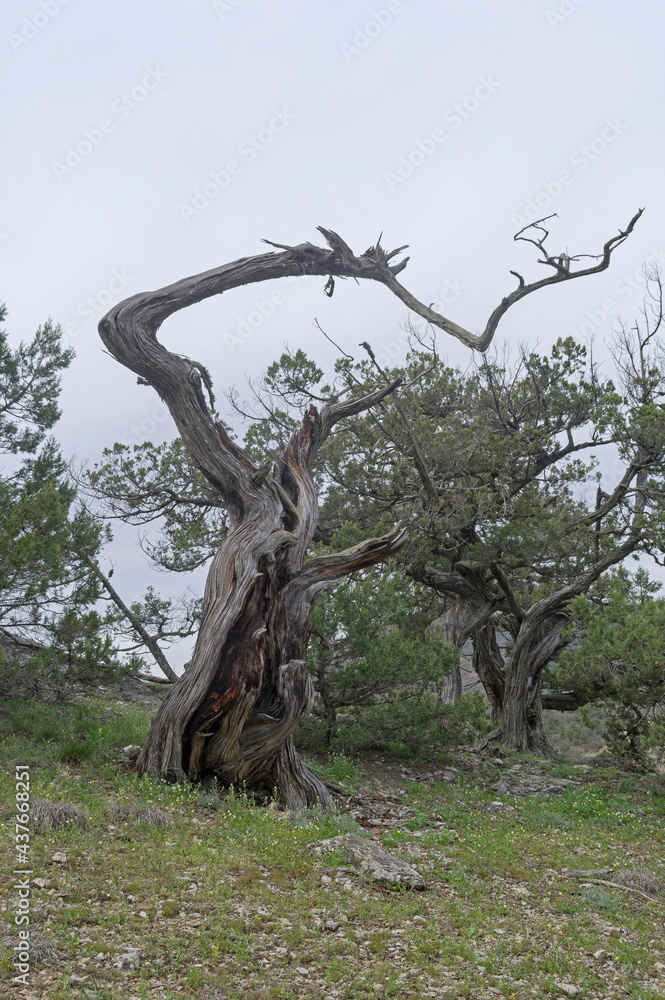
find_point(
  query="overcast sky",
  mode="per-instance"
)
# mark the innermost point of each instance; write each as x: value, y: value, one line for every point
x: 147, y: 140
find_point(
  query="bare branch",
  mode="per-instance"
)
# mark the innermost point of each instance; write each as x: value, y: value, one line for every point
x: 335, y: 565
x: 482, y: 341
x: 147, y: 639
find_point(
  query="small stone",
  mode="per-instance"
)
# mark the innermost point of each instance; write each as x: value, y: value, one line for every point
x: 601, y: 953
x: 500, y: 786
x: 39, y: 882
x: 143, y: 914
x: 302, y: 971
x: 379, y: 987
x: 129, y: 960
x: 660, y: 968
x: 77, y: 979
x: 331, y: 925
x: 60, y: 858
x: 419, y: 920
x: 569, y: 990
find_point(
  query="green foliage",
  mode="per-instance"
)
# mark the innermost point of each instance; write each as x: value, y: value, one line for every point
x: 378, y: 674
x: 30, y: 378
x: 619, y: 662
x: 293, y: 377
x: 499, y: 441
x: 47, y: 540
x: 409, y: 727
x: 159, y: 482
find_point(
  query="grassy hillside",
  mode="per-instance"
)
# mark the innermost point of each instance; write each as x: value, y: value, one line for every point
x: 148, y: 890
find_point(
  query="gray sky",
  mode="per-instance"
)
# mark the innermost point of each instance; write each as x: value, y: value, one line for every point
x: 144, y: 141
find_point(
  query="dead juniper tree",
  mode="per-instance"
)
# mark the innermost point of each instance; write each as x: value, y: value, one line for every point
x: 232, y: 713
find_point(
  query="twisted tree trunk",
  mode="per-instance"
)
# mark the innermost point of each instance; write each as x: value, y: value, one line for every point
x: 232, y: 713
x: 522, y: 715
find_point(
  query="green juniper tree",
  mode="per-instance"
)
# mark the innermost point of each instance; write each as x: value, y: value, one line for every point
x: 494, y: 471
x: 379, y: 675
x: 616, y: 659
x: 47, y: 589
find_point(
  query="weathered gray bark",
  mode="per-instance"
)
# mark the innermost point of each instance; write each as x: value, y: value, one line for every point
x: 539, y: 638
x: 461, y: 622
x: 233, y: 712
x: 473, y: 604
x: 562, y: 701
x: 522, y: 713
x: 488, y: 665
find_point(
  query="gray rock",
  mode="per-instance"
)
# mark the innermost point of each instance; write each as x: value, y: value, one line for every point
x: 131, y: 959
x: 501, y: 787
x: 370, y: 858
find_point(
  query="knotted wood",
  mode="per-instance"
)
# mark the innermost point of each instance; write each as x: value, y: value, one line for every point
x: 231, y: 715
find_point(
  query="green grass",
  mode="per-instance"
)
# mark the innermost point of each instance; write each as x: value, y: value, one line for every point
x: 229, y: 902
x: 341, y: 769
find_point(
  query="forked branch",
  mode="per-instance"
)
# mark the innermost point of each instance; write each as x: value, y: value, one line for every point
x: 129, y: 332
